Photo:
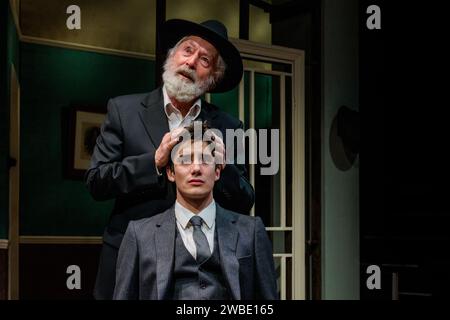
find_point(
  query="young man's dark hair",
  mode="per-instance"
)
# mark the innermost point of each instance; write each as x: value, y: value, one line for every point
x: 205, y: 135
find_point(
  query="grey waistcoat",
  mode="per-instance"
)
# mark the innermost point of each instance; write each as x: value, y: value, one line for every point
x: 198, y: 282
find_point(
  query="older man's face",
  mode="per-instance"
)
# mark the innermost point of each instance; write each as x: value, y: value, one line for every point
x: 189, y: 71
x: 197, y: 54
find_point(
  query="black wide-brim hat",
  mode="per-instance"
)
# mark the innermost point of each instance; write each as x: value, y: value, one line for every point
x: 215, y: 33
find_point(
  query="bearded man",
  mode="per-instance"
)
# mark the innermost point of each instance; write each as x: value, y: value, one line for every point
x: 140, y: 131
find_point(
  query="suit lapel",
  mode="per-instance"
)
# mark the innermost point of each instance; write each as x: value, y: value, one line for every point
x: 227, y: 236
x: 153, y: 116
x: 155, y: 119
x: 208, y: 114
x: 165, y: 248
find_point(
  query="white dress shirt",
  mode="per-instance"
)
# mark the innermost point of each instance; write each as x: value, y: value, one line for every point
x: 186, y: 230
x: 174, y: 116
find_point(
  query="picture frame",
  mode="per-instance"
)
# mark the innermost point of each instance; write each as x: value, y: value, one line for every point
x: 84, y: 128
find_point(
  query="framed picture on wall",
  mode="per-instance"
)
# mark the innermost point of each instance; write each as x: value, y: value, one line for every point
x: 84, y: 128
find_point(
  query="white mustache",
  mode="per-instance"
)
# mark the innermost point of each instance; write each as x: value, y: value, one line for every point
x: 186, y: 71
x: 182, y: 89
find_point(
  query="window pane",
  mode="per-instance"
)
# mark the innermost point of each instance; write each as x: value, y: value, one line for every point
x: 227, y: 101
x: 288, y: 278
x: 277, y: 262
x: 267, y: 116
x: 281, y: 241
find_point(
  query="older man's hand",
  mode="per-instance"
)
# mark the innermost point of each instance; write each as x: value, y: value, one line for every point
x: 219, y: 150
x: 164, y: 150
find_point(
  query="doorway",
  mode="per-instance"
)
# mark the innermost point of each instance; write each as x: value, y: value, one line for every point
x: 270, y: 100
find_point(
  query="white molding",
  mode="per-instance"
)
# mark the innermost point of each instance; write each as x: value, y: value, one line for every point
x: 283, y: 278
x: 85, y: 47
x: 267, y: 52
x: 271, y: 72
x: 298, y: 182
x: 281, y: 255
x: 252, y: 147
x: 296, y: 58
x: 279, y: 228
x: 282, y: 158
x: 59, y: 240
x: 4, y: 244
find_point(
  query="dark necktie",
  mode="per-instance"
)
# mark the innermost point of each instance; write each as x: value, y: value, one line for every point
x: 201, y: 243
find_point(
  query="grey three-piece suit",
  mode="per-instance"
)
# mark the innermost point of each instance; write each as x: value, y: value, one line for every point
x: 147, y: 263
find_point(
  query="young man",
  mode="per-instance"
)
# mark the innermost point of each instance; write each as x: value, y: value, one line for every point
x: 136, y: 141
x: 196, y: 249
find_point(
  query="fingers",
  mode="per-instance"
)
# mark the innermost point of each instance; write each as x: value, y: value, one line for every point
x: 219, y: 149
x: 162, y: 154
x: 171, y: 139
x: 216, y: 138
x: 177, y: 132
x: 172, y: 143
x: 219, y: 156
x: 218, y: 142
x: 219, y: 159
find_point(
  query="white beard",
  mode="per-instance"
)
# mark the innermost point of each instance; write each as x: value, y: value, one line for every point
x: 182, y: 89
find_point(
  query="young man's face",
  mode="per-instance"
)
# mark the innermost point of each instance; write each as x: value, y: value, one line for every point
x: 195, y: 171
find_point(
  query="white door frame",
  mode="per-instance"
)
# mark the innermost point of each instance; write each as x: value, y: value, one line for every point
x: 296, y: 58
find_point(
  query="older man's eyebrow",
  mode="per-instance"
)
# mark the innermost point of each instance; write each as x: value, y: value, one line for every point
x: 203, y: 51
x: 191, y: 43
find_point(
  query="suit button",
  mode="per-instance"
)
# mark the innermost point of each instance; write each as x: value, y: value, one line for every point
x: 202, y: 286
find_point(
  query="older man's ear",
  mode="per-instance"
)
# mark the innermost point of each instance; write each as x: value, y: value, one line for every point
x: 218, y: 170
x: 170, y: 174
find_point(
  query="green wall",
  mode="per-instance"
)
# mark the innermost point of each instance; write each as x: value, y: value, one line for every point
x: 227, y: 101
x: 53, y: 79
x: 10, y: 55
x: 340, y: 214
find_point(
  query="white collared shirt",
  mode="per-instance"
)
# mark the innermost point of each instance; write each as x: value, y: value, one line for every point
x: 186, y: 230
x: 174, y: 116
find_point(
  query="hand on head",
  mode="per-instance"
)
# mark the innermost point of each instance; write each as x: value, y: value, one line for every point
x: 164, y: 150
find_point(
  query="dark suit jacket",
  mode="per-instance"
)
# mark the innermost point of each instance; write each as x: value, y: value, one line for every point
x: 146, y: 257
x: 123, y: 167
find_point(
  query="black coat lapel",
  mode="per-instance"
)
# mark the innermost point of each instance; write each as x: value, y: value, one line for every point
x: 208, y: 113
x: 153, y: 116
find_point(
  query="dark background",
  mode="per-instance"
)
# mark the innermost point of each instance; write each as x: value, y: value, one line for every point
x: 404, y: 159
